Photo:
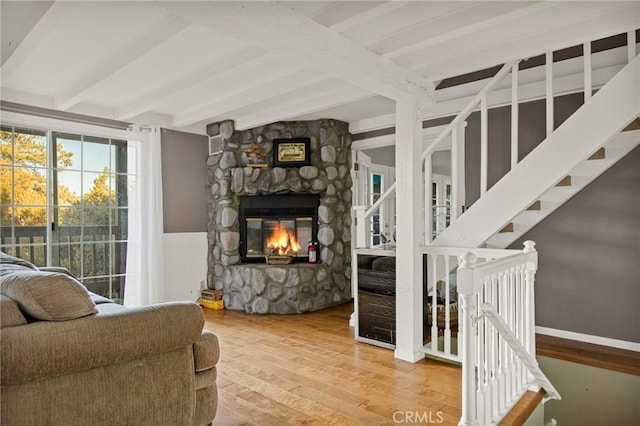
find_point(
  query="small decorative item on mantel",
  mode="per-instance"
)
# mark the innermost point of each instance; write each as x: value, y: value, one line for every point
x: 256, y: 156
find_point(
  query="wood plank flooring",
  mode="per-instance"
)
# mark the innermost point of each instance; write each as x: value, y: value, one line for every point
x: 308, y: 370
x: 615, y: 359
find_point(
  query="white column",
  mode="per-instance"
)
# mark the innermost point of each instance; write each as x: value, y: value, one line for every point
x: 409, y: 227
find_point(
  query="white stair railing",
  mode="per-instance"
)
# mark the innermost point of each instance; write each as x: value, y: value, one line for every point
x: 455, y: 129
x: 363, y: 216
x: 498, y: 335
x: 441, y: 308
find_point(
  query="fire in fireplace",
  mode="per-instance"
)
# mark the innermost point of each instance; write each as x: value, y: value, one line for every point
x: 277, y: 225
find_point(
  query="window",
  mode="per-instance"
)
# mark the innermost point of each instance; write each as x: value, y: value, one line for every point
x: 376, y: 192
x: 63, y: 202
x: 440, y: 203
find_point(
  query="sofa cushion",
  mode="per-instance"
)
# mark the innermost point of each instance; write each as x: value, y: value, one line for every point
x: 384, y: 264
x: 206, y: 351
x: 10, y: 314
x: 48, y: 296
x: 9, y: 263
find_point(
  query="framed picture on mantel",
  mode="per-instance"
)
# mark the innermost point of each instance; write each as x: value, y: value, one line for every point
x: 291, y: 152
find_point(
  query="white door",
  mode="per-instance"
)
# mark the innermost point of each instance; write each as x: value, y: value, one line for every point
x: 361, y: 178
x: 440, y: 203
x: 383, y: 221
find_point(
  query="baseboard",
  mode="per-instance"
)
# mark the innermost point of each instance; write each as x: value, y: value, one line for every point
x: 352, y: 320
x: 587, y: 338
x: 407, y: 356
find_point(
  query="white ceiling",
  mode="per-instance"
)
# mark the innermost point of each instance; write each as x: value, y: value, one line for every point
x: 183, y: 65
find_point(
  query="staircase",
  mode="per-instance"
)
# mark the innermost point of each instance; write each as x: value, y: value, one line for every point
x: 578, y: 178
x: 576, y: 153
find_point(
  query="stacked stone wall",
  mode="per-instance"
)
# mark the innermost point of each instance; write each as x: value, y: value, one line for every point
x: 283, y: 289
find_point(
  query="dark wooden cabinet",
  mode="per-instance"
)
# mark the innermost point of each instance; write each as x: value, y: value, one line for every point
x: 377, y: 299
x: 377, y: 316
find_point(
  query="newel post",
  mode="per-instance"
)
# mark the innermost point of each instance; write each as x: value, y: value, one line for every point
x: 468, y: 290
x: 530, y: 303
x: 361, y: 227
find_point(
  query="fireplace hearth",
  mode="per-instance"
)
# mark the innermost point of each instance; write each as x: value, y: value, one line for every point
x: 276, y: 211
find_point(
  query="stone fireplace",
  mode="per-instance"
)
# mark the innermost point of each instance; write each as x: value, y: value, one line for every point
x: 250, y: 199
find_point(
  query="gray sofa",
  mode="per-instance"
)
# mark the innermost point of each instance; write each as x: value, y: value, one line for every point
x: 70, y: 357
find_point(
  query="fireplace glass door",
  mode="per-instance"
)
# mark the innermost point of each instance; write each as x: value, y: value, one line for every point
x: 290, y: 236
x: 277, y: 225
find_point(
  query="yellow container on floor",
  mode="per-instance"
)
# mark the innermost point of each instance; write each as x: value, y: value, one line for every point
x: 212, y: 304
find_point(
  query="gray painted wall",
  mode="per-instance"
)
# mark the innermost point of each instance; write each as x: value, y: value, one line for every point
x: 531, y: 131
x: 589, y: 258
x: 184, y: 181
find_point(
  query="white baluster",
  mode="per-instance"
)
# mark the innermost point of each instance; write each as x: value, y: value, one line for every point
x: 588, y: 83
x: 447, y: 314
x: 457, y: 170
x: 631, y: 45
x: 484, y: 143
x: 434, y: 305
x: 495, y: 356
x: 428, y: 209
x: 514, y: 115
x: 502, y: 302
x: 549, y: 91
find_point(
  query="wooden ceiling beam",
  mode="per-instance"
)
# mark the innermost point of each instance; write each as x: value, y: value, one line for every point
x: 304, y: 105
x: 280, y: 29
x: 245, y: 95
x: 137, y: 47
x: 19, y: 42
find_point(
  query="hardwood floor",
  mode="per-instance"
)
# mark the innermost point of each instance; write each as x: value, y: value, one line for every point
x: 308, y: 370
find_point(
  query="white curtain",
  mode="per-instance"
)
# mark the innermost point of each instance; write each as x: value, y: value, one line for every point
x: 145, y: 252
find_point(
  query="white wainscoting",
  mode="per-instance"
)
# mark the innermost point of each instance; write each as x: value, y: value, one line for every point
x: 185, y: 267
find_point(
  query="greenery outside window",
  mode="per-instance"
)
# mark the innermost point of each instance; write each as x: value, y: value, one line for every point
x: 64, y: 202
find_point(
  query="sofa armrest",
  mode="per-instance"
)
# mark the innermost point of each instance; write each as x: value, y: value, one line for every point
x: 58, y: 269
x: 50, y: 349
x: 206, y: 351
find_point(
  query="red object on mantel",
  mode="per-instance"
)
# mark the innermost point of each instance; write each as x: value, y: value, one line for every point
x: 313, y: 254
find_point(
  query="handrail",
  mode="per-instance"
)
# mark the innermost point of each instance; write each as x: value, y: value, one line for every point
x: 380, y: 200
x: 470, y: 106
x: 498, y: 355
x: 482, y: 252
x: 362, y: 215
x: 518, y: 348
